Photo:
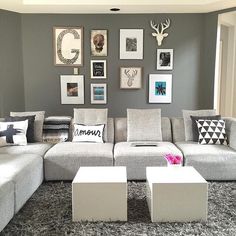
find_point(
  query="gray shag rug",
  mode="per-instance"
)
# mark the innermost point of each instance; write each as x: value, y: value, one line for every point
x: 48, y: 212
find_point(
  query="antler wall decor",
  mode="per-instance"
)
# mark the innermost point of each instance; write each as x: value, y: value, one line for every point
x: 159, y: 28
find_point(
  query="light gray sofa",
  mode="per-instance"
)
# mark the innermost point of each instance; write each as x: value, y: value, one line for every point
x: 63, y: 160
x: 136, y: 159
x: 213, y: 162
x: 21, y: 173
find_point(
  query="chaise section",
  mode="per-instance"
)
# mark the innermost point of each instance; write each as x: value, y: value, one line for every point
x: 63, y: 160
x: 25, y: 171
x: 136, y: 159
x: 6, y: 202
x: 213, y: 162
x: 30, y: 148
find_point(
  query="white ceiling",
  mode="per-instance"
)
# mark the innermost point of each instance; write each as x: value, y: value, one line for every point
x: 126, y: 6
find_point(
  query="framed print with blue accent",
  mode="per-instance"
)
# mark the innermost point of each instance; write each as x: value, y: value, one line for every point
x: 160, y: 88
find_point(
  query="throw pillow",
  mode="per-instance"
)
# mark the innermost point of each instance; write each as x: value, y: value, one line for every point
x: 38, y: 123
x: 56, y: 129
x: 188, y: 122
x: 13, y: 133
x: 91, y: 117
x: 144, y: 125
x: 194, y: 126
x: 211, y: 131
x: 30, y: 130
x: 88, y: 133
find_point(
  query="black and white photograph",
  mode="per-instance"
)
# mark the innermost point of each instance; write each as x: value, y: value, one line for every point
x: 72, y: 89
x: 99, y: 43
x: 131, y: 43
x: 98, y: 69
x: 164, y: 59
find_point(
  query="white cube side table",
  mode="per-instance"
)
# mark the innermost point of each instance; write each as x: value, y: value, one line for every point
x: 100, y: 194
x: 176, y: 194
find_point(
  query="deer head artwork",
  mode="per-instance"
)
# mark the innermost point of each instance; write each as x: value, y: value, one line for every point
x: 130, y: 76
x: 160, y: 35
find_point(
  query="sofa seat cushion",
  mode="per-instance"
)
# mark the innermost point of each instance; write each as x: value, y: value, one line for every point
x: 213, y: 162
x: 25, y: 171
x: 136, y: 159
x: 6, y: 202
x: 30, y: 148
x: 63, y: 160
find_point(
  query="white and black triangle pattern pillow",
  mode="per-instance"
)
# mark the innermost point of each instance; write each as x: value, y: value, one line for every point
x: 211, y: 132
x: 13, y: 133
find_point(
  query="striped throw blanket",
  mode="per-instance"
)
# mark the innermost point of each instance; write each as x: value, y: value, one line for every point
x: 56, y: 129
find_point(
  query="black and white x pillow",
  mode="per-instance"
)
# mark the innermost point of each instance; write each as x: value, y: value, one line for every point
x: 211, y: 132
x: 13, y: 133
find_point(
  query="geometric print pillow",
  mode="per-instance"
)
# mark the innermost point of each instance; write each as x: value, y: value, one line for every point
x: 211, y: 131
x: 13, y: 133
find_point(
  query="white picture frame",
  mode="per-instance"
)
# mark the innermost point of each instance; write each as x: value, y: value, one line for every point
x: 131, y: 44
x: 130, y: 77
x: 72, y: 89
x: 98, y: 42
x: 165, y: 59
x: 160, y: 88
x: 98, y: 69
x: 68, y: 46
x: 98, y: 93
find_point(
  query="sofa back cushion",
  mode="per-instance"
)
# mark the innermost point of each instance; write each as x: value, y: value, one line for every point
x: 38, y: 123
x: 178, y: 131
x: 144, y: 125
x: 110, y: 130
x: 121, y: 129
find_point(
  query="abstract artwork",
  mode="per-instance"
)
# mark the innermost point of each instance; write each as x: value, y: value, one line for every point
x: 98, y: 93
x: 72, y: 89
x: 160, y: 88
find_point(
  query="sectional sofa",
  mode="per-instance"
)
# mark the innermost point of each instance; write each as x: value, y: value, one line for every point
x: 23, y: 168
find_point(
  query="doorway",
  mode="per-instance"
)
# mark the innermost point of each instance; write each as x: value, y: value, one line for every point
x: 225, y: 71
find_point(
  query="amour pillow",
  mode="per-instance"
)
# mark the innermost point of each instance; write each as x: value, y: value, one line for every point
x: 194, y: 125
x: 88, y: 133
x: 30, y: 130
x: 91, y: 117
x: 144, y: 125
x: 188, y: 122
x: 211, y: 131
x: 13, y: 133
x: 38, y: 123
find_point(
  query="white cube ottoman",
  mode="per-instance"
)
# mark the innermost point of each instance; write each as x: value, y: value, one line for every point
x: 100, y: 194
x: 176, y: 194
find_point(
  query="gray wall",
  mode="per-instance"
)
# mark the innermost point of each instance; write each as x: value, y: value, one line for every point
x: 11, y: 71
x: 186, y: 37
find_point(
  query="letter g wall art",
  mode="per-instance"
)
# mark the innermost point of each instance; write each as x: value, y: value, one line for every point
x: 68, y: 46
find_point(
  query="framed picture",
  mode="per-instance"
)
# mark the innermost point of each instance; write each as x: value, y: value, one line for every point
x: 164, y: 59
x: 131, y: 77
x: 131, y: 43
x: 99, y: 43
x: 98, y: 69
x: 68, y: 46
x: 72, y: 89
x: 98, y: 93
x: 160, y: 88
